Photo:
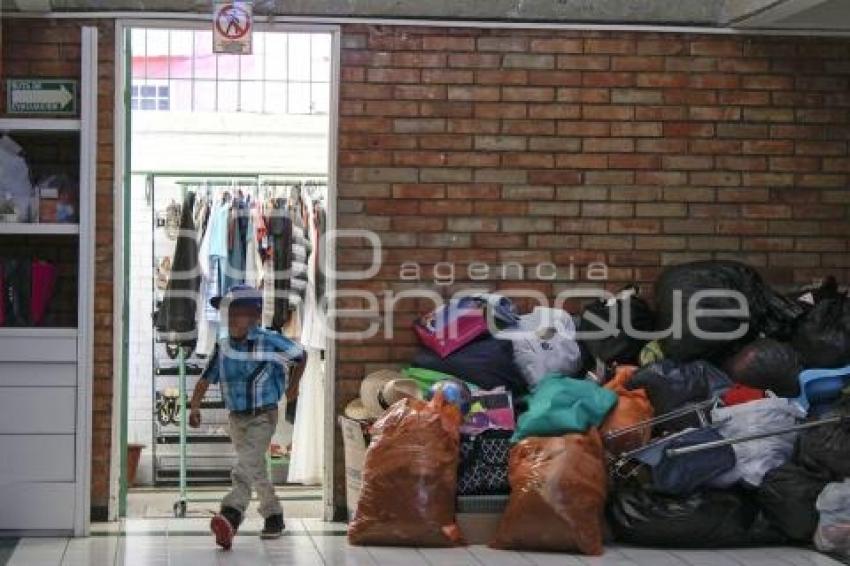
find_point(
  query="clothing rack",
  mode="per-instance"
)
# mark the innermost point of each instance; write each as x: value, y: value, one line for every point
x: 254, y: 186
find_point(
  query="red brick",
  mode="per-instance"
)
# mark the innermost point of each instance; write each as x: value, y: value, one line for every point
x: 446, y: 109
x: 528, y: 61
x: 688, y: 129
x: 608, y: 79
x: 447, y: 76
x: 579, y: 161
x: 502, y: 77
x: 747, y: 66
x: 742, y: 227
x: 635, y: 63
x: 477, y: 191
x: 715, y: 113
x: 821, y: 148
x: 448, y: 43
x: 660, y: 112
x: 554, y: 111
x: 511, y: 110
x: 472, y: 159
x: 584, y: 128
x: 661, y: 178
x: 662, y: 80
x: 375, y: 206
x: 556, y: 45
x: 473, y: 126
x: 794, y: 164
x: 611, y: 46
x: 661, y: 145
x: 539, y: 160
x: 690, y: 64
x: 419, y: 92
x: 742, y: 163
x: 666, y: 46
x: 634, y: 161
x: 752, y: 131
x: 529, y: 127
x: 554, y: 177
x: 554, y: 78
x: 584, y: 62
x: 634, y: 226
x: 636, y: 129
x: 721, y: 48
x: 767, y: 179
x: 390, y: 75
x: 446, y: 141
x: 766, y: 211
x: 606, y: 145
x: 418, y: 191
x: 451, y: 207
x: 768, y: 115
x: 474, y: 93
x: 744, y: 97
x: 767, y: 82
x: 715, y: 146
x: 690, y: 97
x: 586, y: 95
x: 714, y: 80
x: 368, y: 91
x: 607, y: 112
x: 418, y: 224
x: 715, y: 179
x: 515, y: 44
x: 475, y: 60
x: 419, y: 158
x: 528, y: 94
x: 607, y: 209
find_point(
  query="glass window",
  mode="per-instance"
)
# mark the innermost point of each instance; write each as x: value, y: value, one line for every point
x: 299, y: 57
x: 176, y: 70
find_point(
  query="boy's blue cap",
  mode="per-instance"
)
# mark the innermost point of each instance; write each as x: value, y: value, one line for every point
x: 240, y: 295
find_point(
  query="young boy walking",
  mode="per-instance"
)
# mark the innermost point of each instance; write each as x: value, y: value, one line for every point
x: 251, y: 367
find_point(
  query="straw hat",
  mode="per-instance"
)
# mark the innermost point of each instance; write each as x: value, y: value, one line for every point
x: 378, y: 391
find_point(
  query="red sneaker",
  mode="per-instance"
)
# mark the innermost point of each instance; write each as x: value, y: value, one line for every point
x: 223, y: 531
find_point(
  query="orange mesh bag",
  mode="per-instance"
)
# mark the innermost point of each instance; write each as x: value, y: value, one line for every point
x: 632, y: 407
x: 558, y: 489
x: 410, y: 478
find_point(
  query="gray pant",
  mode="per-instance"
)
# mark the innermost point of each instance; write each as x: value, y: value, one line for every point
x: 251, y: 435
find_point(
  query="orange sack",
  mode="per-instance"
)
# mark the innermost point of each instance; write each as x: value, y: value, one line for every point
x: 410, y: 478
x: 558, y: 490
x: 632, y: 408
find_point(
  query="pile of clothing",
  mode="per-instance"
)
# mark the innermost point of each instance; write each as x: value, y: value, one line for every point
x: 719, y: 416
x: 27, y: 289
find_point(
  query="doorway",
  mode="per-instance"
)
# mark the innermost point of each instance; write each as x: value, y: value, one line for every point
x: 255, y: 134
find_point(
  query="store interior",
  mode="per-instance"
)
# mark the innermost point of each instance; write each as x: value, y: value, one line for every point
x: 240, y: 139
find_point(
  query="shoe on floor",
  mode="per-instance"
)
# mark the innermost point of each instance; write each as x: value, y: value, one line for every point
x: 224, y: 526
x: 273, y: 527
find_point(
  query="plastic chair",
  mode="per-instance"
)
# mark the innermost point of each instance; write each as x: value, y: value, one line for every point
x: 819, y: 386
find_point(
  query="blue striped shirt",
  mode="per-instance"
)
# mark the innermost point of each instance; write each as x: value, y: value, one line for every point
x: 252, y: 373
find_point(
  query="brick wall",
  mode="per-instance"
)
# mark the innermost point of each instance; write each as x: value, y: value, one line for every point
x: 639, y: 150
x: 49, y: 49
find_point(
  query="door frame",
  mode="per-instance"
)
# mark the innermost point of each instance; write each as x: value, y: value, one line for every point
x: 122, y: 134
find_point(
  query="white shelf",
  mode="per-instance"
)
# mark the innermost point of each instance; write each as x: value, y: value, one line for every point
x: 37, y: 332
x: 36, y: 228
x: 39, y: 125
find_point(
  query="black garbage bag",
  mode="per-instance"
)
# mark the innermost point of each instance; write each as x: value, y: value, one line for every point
x: 600, y: 315
x: 808, y: 297
x: 787, y: 498
x: 823, y: 334
x: 767, y: 364
x: 827, y: 447
x: 487, y: 362
x: 705, y: 519
x: 671, y: 385
x: 768, y: 312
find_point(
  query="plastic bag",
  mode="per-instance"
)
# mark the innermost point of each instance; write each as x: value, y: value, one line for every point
x: 670, y: 386
x: 787, y: 496
x: 769, y: 313
x: 561, y: 404
x: 823, y: 334
x: 833, y: 532
x: 621, y: 348
x: 754, y: 458
x: 633, y: 407
x: 558, y: 490
x: 15, y: 184
x: 705, y: 519
x: 545, y: 343
x: 409, y: 478
x: 767, y: 364
x: 450, y: 327
x: 827, y: 447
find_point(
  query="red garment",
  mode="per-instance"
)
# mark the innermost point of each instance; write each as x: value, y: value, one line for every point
x: 739, y: 394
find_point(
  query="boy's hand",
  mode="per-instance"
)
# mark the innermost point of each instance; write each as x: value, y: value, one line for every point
x: 195, y: 418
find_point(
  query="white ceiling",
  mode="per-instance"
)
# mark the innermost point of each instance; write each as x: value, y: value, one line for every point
x: 821, y: 15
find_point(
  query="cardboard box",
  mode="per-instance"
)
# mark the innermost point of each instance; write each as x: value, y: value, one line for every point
x: 355, y: 440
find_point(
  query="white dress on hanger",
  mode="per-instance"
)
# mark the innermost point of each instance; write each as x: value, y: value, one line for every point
x: 306, y: 465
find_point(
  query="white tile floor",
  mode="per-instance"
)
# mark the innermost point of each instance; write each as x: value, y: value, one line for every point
x: 311, y: 542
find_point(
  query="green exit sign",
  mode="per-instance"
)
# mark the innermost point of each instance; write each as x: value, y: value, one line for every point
x: 41, y: 96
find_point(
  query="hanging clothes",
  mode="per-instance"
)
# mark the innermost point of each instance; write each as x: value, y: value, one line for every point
x: 313, y: 328
x: 177, y: 313
x: 306, y: 464
x: 280, y: 232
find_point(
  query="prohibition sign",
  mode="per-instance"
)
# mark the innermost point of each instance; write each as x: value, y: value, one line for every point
x: 232, y: 22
